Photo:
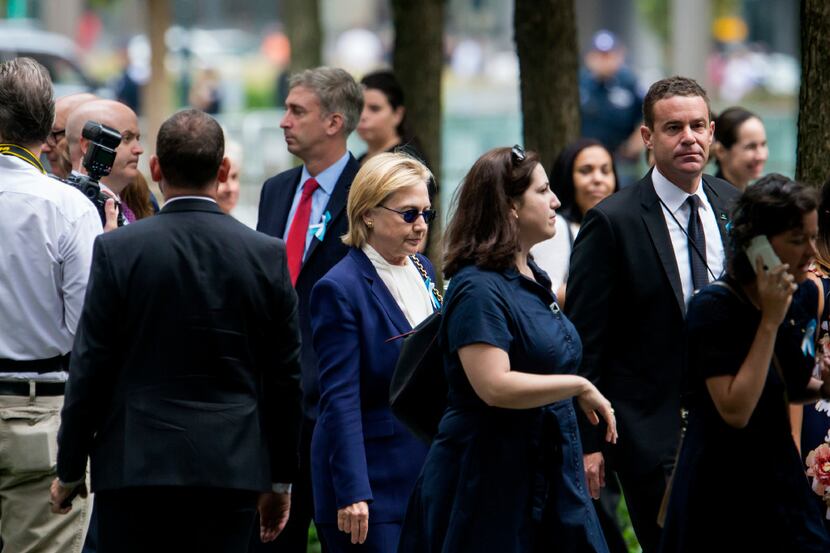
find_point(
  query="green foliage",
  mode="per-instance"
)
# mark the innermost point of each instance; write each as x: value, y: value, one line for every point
x: 313, y: 541
x: 656, y: 14
x: 627, y: 528
x: 259, y: 96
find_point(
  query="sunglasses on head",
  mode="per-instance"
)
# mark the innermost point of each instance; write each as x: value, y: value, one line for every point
x: 517, y: 155
x: 411, y: 215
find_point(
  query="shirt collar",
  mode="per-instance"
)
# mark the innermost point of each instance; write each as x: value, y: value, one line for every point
x: 177, y: 198
x: 327, y: 179
x: 673, y: 196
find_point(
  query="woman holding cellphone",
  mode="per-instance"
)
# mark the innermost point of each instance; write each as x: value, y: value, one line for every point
x: 739, y: 484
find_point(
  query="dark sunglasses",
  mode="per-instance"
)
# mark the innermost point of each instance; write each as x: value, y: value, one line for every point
x: 54, y: 136
x: 411, y: 215
x: 517, y: 154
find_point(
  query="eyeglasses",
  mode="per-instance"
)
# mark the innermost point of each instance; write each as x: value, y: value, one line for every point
x: 517, y: 154
x: 53, y: 137
x: 411, y: 215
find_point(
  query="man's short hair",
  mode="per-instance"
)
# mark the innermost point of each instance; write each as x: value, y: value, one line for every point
x: 337, y: 91
x: 27, y: 103
x: 190, y: 147
x: 666, y: 88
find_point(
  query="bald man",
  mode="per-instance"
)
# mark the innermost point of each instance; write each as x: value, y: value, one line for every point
x: 55, y: 147
x: 124, y: 120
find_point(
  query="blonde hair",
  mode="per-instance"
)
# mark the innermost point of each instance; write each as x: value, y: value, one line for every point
x: 381, y: 175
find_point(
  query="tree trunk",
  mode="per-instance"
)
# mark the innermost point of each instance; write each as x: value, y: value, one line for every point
x: 157, y: 94
x: 813, y: 104
x: 302, y: 26
x: 545, y: 35
x: 418, y: 63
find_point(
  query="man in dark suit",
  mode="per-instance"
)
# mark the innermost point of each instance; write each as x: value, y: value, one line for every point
x: 637, y: 260
x: 306, y: 207
x: 184, y: 380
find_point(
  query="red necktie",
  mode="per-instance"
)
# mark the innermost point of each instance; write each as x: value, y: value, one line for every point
x: 295, y: 243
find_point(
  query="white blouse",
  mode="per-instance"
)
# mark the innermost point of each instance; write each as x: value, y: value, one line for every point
x: 406, y: 285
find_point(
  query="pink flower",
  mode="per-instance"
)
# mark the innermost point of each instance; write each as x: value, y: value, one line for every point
x: 818, y: 466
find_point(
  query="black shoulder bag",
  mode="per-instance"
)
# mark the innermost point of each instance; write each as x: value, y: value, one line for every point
x: 418, y: 390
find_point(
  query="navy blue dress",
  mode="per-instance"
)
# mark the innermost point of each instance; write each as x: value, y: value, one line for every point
x: 504, y: 480
x: 742, y: 489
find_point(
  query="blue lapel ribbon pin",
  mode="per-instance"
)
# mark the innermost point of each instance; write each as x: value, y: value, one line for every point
x: 319, y: 230
x: 808, y: 344
x: 432, y: 295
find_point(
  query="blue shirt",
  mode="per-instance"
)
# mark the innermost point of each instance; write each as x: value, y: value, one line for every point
x: 610, y: 110
x: 327, y: 180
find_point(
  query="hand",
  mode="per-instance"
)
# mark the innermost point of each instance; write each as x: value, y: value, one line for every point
x: 59, y: 493
x: 273, y: 514
x: 775, y: 291
x: 594, y: 472
x: 111, y: 214
x: 592, y: 401
x: 354, y: 520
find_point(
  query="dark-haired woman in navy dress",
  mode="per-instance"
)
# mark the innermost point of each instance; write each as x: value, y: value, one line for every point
x: 504, y: 473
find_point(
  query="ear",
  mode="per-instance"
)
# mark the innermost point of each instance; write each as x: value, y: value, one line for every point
x: 718, y: 150
x: 334, y: 124
x: 84, y: 144
x: 711, y: 132
x: 398, y: 114
x: 155, y: 169
x: 224, y: 170
x: 646, y: 133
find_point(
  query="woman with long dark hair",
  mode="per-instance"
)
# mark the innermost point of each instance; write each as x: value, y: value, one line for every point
x: 583, y: 175
x: 504, y: 473
x: 383, y: 124
x: 740, y: 146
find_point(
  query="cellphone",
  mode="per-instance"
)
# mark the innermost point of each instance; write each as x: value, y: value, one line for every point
x: 760, y: 247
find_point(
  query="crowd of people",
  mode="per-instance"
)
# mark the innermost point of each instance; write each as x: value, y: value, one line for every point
x: 219, y: 388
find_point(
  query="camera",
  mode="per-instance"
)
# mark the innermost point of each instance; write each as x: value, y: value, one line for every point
x: 98, y: 162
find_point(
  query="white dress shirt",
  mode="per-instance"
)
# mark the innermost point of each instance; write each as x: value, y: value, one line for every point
x: 47, y: 229
x: 674, y: 203
x: 405, y: 283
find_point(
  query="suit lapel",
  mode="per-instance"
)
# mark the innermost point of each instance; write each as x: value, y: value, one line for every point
x: 721, y: 211
x: 284, y: 199
x: 380, y: 291
x: 656, y: 224
x: 337, y: 203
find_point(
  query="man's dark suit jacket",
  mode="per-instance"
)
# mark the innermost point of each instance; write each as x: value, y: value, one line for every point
x: 185, y: 369
x: 626, y: 300
x: 274, y: 205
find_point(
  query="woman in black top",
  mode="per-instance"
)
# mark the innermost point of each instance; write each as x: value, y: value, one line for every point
x: 383, y: 123
x: 739, y: 484
x: 740, y: 147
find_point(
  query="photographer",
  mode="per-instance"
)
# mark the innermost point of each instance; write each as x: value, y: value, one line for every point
x: 47, y: 231
x: 125, y: 166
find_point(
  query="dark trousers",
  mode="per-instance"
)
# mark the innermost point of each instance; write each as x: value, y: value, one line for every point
x: 294, y: 537
x: 382, y: 538
x: 643, y: 495
x: 174, y: 520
